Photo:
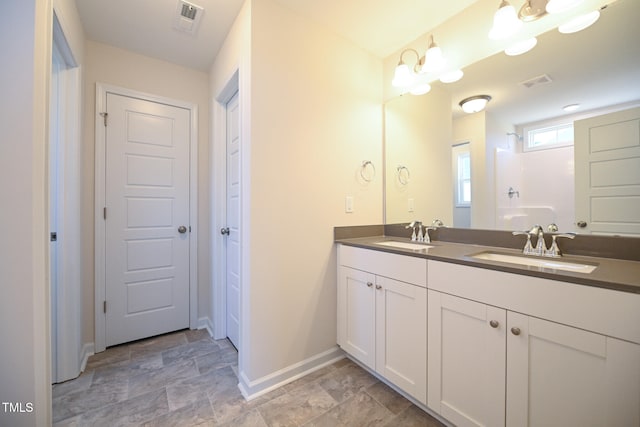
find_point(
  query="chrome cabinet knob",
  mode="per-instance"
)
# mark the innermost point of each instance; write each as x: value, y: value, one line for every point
x: 182, y: 229
x: 378, y: 287
x: 515, y: 331
x: 494, y: 324
x: 369, y: 284
x: 224, y: 231
x: 581, y: 224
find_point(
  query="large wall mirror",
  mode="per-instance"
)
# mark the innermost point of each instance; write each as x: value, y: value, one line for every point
x: 485, y: 170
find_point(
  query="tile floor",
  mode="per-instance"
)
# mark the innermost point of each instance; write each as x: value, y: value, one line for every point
x: 188, y: 379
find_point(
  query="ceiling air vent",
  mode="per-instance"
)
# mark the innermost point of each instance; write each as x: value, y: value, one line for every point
x: 536, y: 81
x: 188, y: 16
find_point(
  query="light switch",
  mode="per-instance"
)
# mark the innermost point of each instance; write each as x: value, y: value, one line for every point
x: 348, y: 204
x: 410, y: 205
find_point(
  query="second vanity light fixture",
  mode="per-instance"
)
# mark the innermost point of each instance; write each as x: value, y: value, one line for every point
x: 433, y: 61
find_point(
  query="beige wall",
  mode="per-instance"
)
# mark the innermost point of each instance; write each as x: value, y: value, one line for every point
x: 25, y: 43
x: 113, y: 66
x: 315, y: 116
x: 418, y: 135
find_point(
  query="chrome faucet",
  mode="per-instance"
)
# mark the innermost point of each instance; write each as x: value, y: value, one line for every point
x: 536, y: 230
x: 419, y: 237
x: 554, y: 250
x: 541, y: 248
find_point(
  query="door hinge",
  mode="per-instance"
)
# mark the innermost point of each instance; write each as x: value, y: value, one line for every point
x: 104, y: 117
x: 53, y: 236
x: 104, y: 212
x: 104, y: 306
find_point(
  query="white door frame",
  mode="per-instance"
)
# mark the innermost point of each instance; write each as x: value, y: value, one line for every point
x: 100, y: 184
x: 66, y: 301
x: 219, y: 208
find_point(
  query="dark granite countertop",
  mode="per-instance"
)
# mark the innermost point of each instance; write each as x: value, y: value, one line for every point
x: 616, y: 274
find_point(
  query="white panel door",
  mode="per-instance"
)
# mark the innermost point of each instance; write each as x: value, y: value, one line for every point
x: 356, y: 314
x: 233, y: 222
x: 401, y: 335
x: 563, y: 376
x: 147, y: 229
x: 466, y: 360
x: 607, y: 165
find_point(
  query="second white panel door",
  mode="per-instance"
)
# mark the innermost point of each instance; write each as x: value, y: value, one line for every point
x: 147, y: 218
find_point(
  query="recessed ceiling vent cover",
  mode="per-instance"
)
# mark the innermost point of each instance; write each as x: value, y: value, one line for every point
x: 188, y: 16
x: 536, y: 81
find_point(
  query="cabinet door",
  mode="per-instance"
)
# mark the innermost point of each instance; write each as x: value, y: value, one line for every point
x: 356, y: 314
x: 466, y: 360
x: 401, y: 335
x: 563, y: 376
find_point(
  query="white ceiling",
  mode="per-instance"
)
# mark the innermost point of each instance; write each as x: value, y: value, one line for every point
x: 145, y: 26
x: 383, y: 27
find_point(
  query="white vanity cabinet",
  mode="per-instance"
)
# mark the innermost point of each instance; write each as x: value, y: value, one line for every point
x: 382, y: 315
x: 490, y: 364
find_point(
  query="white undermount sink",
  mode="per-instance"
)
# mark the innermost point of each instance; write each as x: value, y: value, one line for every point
x: 550, y: 263
x: 404, y: 245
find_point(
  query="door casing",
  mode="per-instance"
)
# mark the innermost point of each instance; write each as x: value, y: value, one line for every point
x: 100, y: 238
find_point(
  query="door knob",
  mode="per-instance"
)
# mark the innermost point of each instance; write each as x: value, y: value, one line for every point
x: 182, y: 229
x: 224, y: 231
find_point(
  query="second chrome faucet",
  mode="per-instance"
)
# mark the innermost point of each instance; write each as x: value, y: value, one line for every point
x: 541, y: 249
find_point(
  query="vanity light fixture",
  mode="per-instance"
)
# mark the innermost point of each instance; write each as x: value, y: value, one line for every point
x: 434, y: 60
x: 559, y: 6
x: 505, y: 22
x: 474, y: 104
x: 451, y: 76
x: 403, y: 76
x: 521, y: 47
x: 532, y: 10
x: 579, y: 23
x: 420, y: 89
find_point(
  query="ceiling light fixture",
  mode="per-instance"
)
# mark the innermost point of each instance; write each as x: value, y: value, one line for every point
x: 505, y: 22
x: 521, y: 47
x: 579, y: 23
x: 571, y: 107
x: 559, y: 6
x: 451, y: 76
x: 474, y: 104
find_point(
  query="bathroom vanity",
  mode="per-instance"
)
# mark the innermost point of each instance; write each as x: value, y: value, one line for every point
x: 486, y: 342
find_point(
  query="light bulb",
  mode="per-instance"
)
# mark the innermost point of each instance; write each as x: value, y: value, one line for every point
x: 521, y: 47
x: 505, y: 22
x: 559, y: 6
x: 403, y: 77
x: 451, y: 76
x: 579, y: 23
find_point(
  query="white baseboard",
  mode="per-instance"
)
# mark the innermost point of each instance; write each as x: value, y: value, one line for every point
x: 88, y: 350
x: 205, y: 323
x: 252, y: 389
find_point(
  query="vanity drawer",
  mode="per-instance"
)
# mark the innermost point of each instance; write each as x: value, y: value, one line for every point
x: 605, y: 311
x: 398, y: 267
